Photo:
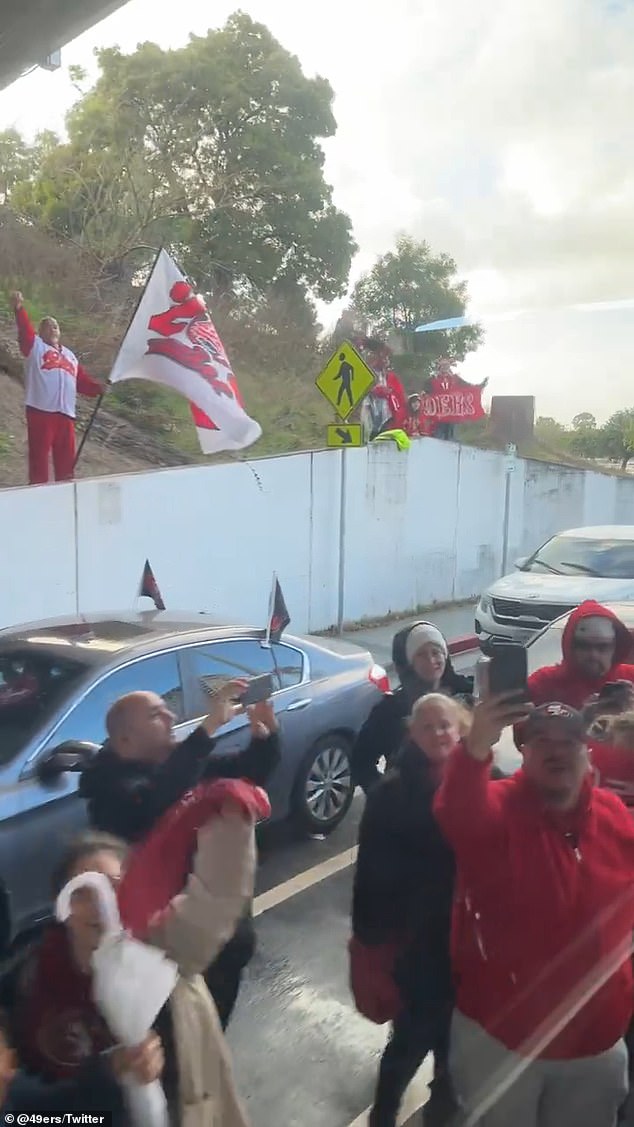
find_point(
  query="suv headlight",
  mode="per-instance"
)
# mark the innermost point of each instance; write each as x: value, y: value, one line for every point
x: 485, y: 604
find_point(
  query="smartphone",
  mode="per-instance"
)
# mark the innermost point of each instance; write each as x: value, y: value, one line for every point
x: 504, y: 670
x: 258, y: 689
x: 616, y: 694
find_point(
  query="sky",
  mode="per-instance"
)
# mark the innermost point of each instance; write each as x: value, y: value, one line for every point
x: 498, y: 131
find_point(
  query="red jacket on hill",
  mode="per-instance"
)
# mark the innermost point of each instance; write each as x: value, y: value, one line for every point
x: 564, y: 682
x: 543, y: 914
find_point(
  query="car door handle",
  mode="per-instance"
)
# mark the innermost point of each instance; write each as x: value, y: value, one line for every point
x: 297, y: 705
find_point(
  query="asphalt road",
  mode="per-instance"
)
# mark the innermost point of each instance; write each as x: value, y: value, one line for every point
x: 303, y: 1056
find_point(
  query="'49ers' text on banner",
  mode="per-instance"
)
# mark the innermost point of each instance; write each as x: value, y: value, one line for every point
x: 173, y: 341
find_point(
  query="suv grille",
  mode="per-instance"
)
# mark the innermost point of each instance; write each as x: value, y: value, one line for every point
x: 539, y: 612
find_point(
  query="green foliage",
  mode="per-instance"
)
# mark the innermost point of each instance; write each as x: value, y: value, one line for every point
x: 212, y: 150
x: 614, y: 441
x: 617, y: 437
x: 406, y: 288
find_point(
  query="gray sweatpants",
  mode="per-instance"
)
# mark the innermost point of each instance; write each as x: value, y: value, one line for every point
x: 544, y: 1093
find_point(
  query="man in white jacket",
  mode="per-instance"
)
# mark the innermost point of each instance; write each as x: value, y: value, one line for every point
x: 52, y: 378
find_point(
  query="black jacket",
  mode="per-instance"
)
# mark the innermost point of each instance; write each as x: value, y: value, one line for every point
x: 404, y: 879
x: 384, y: 729
x: 127, y: 797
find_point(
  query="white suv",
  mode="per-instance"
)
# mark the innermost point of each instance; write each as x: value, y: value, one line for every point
x: 583, y: 563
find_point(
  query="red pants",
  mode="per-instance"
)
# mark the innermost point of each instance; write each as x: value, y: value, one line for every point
x: 50, y: 433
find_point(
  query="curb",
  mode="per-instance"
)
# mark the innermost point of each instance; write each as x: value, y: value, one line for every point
x: 464, y: 645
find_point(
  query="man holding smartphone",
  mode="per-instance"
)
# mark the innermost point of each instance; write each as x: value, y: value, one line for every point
x: 142, y: 770
x: 596, y: 648
x: 542, y: 927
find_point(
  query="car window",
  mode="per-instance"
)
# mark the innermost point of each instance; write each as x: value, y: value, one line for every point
x: 577, y: 555
x: 545, y: 649
x: 157, y: 674
x: 289, y: 664
x: 215, y: 663
x: 32, y: 687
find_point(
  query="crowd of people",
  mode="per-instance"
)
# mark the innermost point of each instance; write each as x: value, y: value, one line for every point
x: 492, y: 916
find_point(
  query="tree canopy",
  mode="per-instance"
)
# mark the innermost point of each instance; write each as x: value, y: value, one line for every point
x: 408, y: 287
x: 213, y: 150
x: 613, y: 441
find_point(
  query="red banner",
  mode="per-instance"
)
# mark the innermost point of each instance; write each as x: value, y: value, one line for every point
x: 451, y: 400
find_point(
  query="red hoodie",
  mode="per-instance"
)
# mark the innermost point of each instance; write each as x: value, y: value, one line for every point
x: 544, y: 907
x: 564, y: 682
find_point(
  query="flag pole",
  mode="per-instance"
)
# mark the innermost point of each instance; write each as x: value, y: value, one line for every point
x: 88, y: 428
x: 267, y: 637
x: 100, y: 400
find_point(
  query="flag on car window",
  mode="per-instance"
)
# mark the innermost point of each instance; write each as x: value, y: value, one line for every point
x: 172, y: 341
x: 149, y: 588
x: 279, y: 617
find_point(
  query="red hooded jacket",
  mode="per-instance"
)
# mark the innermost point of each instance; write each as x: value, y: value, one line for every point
x: 563, y: 682
x: 543, y: 914
x: 157, y: 869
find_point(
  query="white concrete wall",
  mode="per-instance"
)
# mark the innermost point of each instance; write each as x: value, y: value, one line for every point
x: 420, y: 527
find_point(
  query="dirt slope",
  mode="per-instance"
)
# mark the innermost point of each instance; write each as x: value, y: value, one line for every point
x: 115, y: 445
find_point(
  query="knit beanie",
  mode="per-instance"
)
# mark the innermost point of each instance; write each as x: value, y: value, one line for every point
x: 422, y: 635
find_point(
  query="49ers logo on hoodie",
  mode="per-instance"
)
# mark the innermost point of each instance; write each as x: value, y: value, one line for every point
x: 53, y: 361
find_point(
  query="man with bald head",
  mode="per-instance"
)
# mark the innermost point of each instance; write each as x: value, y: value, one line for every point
x: 142, y: 770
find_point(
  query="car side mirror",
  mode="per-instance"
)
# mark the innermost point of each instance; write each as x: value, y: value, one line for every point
x: 73, y: 755
x: 521, y: 562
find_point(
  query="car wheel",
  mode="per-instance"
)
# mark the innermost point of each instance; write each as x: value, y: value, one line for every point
x: 324, y: 789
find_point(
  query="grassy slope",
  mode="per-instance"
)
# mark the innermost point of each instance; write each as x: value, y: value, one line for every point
x: 281, y: 395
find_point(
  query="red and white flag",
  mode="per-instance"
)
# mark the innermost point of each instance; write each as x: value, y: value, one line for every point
x: 173, y: 341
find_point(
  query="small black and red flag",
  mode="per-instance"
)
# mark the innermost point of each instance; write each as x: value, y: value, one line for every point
x: 149, y: 588
x: 279, y: 618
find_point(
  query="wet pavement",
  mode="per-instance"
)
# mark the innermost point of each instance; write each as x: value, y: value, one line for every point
x: 303, y: 1056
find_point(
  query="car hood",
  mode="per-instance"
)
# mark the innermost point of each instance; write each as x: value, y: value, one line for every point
x: 572, y: 589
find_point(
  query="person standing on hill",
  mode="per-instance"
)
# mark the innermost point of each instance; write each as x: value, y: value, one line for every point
x: 52, y: 378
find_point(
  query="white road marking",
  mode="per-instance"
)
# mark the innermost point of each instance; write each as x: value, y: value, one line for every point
x: 416, y: 1097
x: 274, y: 896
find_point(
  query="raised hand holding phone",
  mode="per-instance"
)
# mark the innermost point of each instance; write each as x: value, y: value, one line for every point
x: 225, y: 704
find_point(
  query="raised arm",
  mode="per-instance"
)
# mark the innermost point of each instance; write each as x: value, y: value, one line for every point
x: 470, y: 806
x: 26, y: 332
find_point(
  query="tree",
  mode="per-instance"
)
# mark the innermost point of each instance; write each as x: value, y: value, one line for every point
x: 212, y: 149
x: 617, y: 438
x: 584, y: 421
x: 551, y: 433
x: 408, y: 287
x: 16, y: 162
x: 585, y: 438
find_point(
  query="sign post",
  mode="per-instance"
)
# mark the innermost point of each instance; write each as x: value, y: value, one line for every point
x: 344, y: 382
x: 511, y: 456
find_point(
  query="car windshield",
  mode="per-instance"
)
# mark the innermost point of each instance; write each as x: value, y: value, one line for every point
x: 545, y: 649
x: 578, y: 555
x: 32, y: 687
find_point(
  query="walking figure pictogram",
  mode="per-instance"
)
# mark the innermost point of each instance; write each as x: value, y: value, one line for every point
x: 346, y: 375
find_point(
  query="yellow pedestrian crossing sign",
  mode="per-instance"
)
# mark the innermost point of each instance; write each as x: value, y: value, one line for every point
x: 345, y: 380
x: 345, y: 434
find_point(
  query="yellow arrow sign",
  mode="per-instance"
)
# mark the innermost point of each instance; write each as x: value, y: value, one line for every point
x: 345, y: 434
x: 345, y: 380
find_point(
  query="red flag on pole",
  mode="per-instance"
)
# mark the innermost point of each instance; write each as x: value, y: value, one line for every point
x: 149, y: 588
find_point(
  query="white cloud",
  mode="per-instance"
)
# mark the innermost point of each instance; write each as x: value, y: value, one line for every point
x: 498, y: 131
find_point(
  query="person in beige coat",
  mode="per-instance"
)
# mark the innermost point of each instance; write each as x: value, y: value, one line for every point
x: 54, y: 998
